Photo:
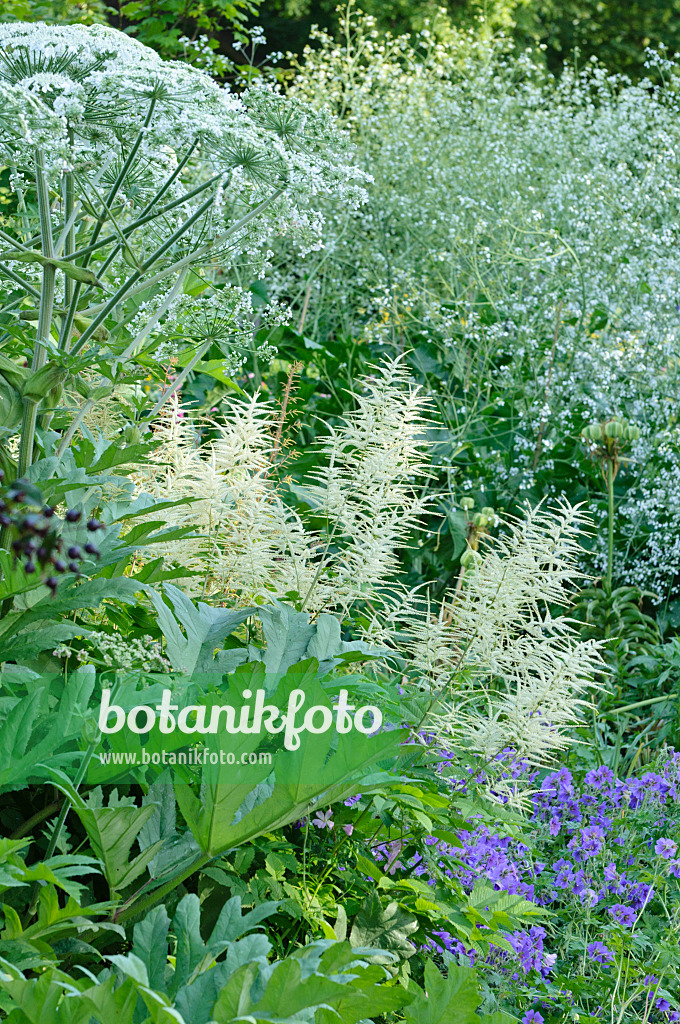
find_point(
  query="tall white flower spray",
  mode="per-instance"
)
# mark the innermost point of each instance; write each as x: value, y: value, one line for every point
x: 491, y: 667
x: 506, y: 672
x: 249, y: 544
x: 128, y: 172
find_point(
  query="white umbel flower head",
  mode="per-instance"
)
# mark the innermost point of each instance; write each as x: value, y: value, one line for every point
x: 86, y: 93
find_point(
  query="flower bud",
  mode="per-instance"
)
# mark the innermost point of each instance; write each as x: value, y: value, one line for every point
x: 613, y: 429
x: 132, y: 434
x: 470, y: 558
x: 593, y: 432
x: 467, y: 503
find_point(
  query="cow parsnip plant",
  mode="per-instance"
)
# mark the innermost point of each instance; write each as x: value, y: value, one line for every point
x: 129, y: 173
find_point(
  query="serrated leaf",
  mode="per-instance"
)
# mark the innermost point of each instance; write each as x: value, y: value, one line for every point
x: 384, y: 927
x: 450, y: 1000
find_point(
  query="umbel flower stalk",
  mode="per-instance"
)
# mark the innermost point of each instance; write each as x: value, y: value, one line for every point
x: 142, y: 170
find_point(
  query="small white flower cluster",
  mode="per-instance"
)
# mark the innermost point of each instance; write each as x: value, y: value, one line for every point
x: 114, y: 651
x: 525, y: 230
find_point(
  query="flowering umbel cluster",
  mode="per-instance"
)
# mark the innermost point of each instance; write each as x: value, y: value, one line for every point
x: 91, y: 97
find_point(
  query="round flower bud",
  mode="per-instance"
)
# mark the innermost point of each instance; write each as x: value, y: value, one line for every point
x: 613, y: 429
x: 593, y: 432
x: 132, y: 434
x: 467, y: 503
x: 469, y: 558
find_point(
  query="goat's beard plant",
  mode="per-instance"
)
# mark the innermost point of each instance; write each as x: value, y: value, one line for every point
x: 249, y: 545
x: 490, y: 668
x: 127, y: 172
x: 496, y: 636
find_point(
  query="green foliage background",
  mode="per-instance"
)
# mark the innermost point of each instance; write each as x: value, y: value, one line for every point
x: 617, y: 34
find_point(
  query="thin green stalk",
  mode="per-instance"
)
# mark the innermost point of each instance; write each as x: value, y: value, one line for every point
x: 144, y: 218
x: 73, y: 426
x: 610, y: 524
x: 186, y: 261
x: 138, y: 275
x: 179, y: 380
x: 30, y: 418
x: 638, y: 704
x: 59, y: 824
x: 139, y: 338
x: 18, y: 279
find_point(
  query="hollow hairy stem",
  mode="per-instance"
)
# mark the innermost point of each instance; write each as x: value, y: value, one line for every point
x: 30, y: 417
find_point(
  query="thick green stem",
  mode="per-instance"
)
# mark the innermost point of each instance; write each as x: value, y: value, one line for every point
x: 158, y: 894
x: 44, y: 317
x: 610, y: 524
x: 68, y: 200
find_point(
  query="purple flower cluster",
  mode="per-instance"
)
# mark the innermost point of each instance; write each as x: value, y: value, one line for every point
x: 595, y: 848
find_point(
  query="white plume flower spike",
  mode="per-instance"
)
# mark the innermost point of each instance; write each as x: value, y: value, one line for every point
x: 249, y: 544
x: 505, y: 646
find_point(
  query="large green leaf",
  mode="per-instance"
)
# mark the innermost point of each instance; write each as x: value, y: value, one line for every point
x: 39, y: 727
x: 299, y: 988
x: 205, y: 628
x: 450, y: 1000
x: 384, y: 927
x: 239, y: 801
x: 112, y: 830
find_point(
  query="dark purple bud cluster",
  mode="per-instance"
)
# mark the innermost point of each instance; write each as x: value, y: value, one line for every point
x: 37, y: 542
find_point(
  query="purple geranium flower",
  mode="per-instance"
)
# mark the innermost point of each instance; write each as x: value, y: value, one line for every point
x: 323, y: 819
x: 623, y: 915
x: 665, y: 848
x: 598, y: 951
